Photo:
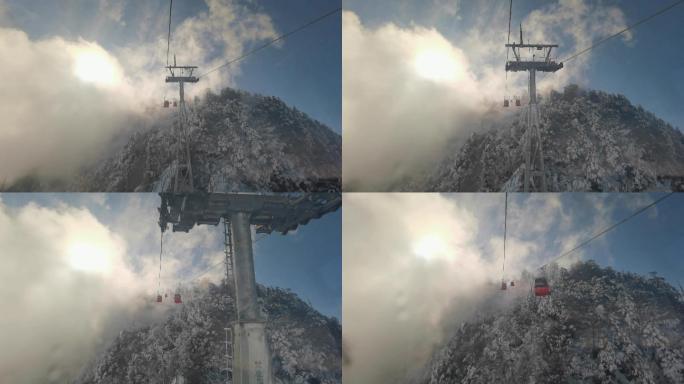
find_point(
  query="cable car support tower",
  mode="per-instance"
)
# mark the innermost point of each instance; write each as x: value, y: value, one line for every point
x: 534, y: 177
x: 268, y: 213
x: 182, y: 179
x: 183, y: 171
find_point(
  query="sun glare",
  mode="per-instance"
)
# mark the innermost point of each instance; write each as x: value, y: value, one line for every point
x: 430, y: 246
x: 95, y: 66
x: 438, y: 65
x: 89, y: 258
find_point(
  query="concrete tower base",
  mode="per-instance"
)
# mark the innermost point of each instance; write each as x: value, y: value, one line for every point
x: 251, y: 358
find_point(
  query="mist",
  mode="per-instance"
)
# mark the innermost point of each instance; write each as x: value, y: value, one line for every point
x: 409, y: 91
x: 413, y: 257
x: 72, y: 282
x: 68, y: 102
x: 416, y: 266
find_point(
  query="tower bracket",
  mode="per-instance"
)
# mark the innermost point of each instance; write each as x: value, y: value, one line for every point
x: 533, y: 154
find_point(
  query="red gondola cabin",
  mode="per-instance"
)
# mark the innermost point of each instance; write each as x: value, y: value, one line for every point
x: 541, y: 287
x: 159, y: 299
x: 177, y: 298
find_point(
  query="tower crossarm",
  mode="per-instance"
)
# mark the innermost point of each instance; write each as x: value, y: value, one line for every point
x: 544, y: 65
x: 268, y: 212
x: 181, y: 79
x: 540, y: 46
x: 181, y: 74
x: 539, y: 66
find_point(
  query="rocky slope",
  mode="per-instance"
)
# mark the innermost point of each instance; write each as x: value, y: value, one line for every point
x: 306, y: 346
x: 597, y: 326
x: 593, y: 141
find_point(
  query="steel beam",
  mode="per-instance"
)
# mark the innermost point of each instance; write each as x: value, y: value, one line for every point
x: 182, y: 79
x: 541, y: 66
x: 245, y: 282
x: 514, y: 45
x: 252, y: 358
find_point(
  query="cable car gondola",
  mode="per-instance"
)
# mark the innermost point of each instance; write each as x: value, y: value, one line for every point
x: 506, y: 103
x: 159, y: 298
x: 177, y: 298
x: 541, y: 287
x: 512, y: 283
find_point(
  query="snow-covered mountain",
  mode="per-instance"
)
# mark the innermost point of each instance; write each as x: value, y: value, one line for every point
x: 190, y: 343
x: 239, y: 142
x: 597, y: 326
x: 593, y: 141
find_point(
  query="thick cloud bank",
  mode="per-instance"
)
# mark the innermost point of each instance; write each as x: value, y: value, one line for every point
x: 63, y: 101
x: 395, y: 110
x: 51, y: 119
x: 412, y: 255
x: 70, y: 282
x: 417, y: 265
x: 408, y: 90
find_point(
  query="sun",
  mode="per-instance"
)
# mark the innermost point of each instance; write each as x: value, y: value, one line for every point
x: 95, y: 66
x: 429, y: 247
x: 436, y: 64
x: 88, y: 257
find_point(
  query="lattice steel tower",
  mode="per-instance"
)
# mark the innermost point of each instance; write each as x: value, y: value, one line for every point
x: 183, y: 170
x: 534, y: 177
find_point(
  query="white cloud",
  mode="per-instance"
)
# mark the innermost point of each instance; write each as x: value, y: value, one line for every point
x: 394, y: 296
x: 70, y: 282
x: 398, y: 116
x: 207, y: 40
x: 448, y: 8
x: 575, y: 24
x: 402, y: 91
x: 416, y: 265
x: 52, y: 121
x: 113, y: 9
x: 63, y: 102
x: 55, y: 308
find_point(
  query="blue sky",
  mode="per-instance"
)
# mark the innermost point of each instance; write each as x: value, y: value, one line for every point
x: 304, y: 70
x: 541, y: 227
x: 416, y: 264
x: 647, y: 243
x: 651, y: 241
x: 307, y: 261
x: 648, y: 69
x: 307, y: 70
